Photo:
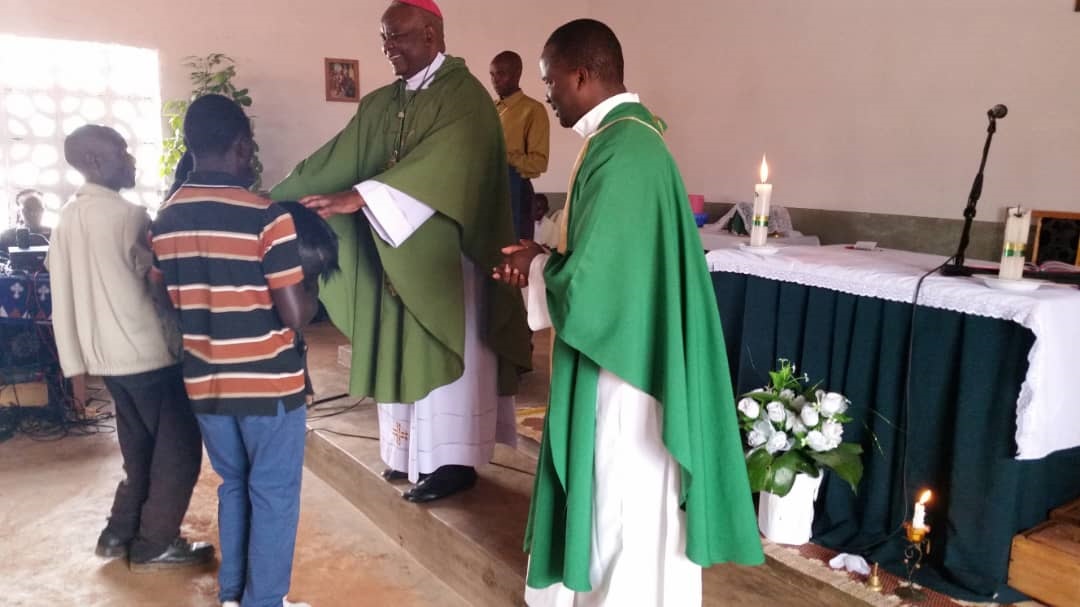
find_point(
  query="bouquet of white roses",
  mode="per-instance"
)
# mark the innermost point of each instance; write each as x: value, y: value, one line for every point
x: 794, y: 428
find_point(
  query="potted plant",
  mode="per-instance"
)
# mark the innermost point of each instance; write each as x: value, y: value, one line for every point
x: 210, y: 75
x: 793, y: 432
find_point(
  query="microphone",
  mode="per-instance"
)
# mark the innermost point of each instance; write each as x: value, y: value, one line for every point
x: 956, y: 267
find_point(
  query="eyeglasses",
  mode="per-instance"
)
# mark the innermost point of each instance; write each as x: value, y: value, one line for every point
x: 397, y: 36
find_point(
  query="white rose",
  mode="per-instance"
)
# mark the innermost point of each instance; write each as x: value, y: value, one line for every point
x: 789, y: 419
x: 787, y: 394
x: 809, y: 416
x: 833, y: 431
x: 798, y: 402
x: 778, y: 442
x: 776, y: 411
x: 755, y: 438
x: 760, y: 433
x: 833, y: 404
x: 757, y: 390
x: 797, y: 427
x: 817, y: 441
x: 750, y: 408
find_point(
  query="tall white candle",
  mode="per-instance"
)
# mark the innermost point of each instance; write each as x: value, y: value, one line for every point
x: 1017, y: 223
x: 918, y: 521
x: 759, y: 226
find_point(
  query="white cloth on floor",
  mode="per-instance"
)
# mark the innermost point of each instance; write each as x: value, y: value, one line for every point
x: 850, y: 562
x: 458, y: 423
x: 639, y: 531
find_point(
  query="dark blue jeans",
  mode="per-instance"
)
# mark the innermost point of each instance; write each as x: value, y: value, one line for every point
x: 260, y: 460
x: 521, y: 204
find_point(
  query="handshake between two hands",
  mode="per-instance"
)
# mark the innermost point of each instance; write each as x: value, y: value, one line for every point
x: 514, y: 268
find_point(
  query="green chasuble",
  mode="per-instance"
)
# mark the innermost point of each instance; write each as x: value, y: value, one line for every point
x: 632, y: 295
x: 403, y: 308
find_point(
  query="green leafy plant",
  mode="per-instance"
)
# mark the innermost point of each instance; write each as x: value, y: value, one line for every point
x: 210, y: 75
x: 792, y: 427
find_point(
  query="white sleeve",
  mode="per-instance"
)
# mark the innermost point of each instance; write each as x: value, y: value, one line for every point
x: 394, y: 214
x: 535, y: 295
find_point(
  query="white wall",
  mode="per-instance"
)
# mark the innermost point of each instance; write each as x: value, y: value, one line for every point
x: 863, y: 104
x: 279, y: 48
x: 860, y: 104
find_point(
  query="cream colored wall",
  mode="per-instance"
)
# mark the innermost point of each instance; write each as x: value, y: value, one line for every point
x: 864, y: 105
x: 279, y: 47
x: 861, y: 105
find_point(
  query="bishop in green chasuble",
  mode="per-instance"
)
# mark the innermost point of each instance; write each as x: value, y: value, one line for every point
x: 426, y: 324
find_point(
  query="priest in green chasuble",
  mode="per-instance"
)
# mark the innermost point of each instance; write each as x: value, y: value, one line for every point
x: 415, y: 187
x: 641, y: 479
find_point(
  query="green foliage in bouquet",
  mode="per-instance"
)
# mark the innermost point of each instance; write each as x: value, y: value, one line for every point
x: 791, y: 428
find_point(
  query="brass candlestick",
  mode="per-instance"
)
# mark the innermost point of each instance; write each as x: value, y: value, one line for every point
x: 918, y: 545
x: 874, y: 581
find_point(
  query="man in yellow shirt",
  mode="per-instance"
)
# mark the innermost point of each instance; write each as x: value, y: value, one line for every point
x: 525, y: 126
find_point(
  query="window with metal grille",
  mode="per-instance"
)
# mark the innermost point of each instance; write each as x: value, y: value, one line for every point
x: 48, y: 88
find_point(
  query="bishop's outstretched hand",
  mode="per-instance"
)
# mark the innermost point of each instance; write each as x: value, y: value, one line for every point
x: 339, y: 203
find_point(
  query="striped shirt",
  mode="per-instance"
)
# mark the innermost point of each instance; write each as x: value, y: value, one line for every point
x: 221, y: 250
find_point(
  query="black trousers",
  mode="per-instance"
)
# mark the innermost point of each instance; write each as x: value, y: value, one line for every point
x: 162, y: 450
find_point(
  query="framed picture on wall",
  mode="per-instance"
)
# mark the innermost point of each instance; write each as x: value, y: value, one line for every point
x: 342, y: 79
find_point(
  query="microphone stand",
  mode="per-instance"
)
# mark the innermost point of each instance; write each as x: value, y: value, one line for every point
x: 957, y: 268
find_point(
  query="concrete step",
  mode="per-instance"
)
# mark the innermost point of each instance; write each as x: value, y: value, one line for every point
x: 473, y: 541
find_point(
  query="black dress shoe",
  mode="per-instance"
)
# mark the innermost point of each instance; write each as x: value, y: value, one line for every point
x: 445, y: 481
x: 110, y: 545
x: 391, y: 475
x: 180, y: 553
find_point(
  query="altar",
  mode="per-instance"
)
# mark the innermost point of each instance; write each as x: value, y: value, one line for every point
x: 969, y: 397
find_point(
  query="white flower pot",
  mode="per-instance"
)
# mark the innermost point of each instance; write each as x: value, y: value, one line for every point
x: 788, y: 519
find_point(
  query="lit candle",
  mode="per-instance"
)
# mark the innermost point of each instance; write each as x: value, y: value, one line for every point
x: 759, y: 228
x: 919, y: 520
x: 1017, y: 222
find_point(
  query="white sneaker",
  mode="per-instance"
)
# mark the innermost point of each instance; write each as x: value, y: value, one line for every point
x: 231, y: 604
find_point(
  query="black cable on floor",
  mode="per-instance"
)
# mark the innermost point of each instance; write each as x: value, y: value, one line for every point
x: 333, y: 411
x: 328, y: 399
x: 345, y: 434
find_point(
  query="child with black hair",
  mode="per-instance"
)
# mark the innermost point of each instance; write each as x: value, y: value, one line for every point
x: 318, y: 257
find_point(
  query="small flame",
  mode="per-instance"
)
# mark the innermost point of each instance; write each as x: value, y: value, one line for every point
x: 764, y: 170
x: 925, y: 497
